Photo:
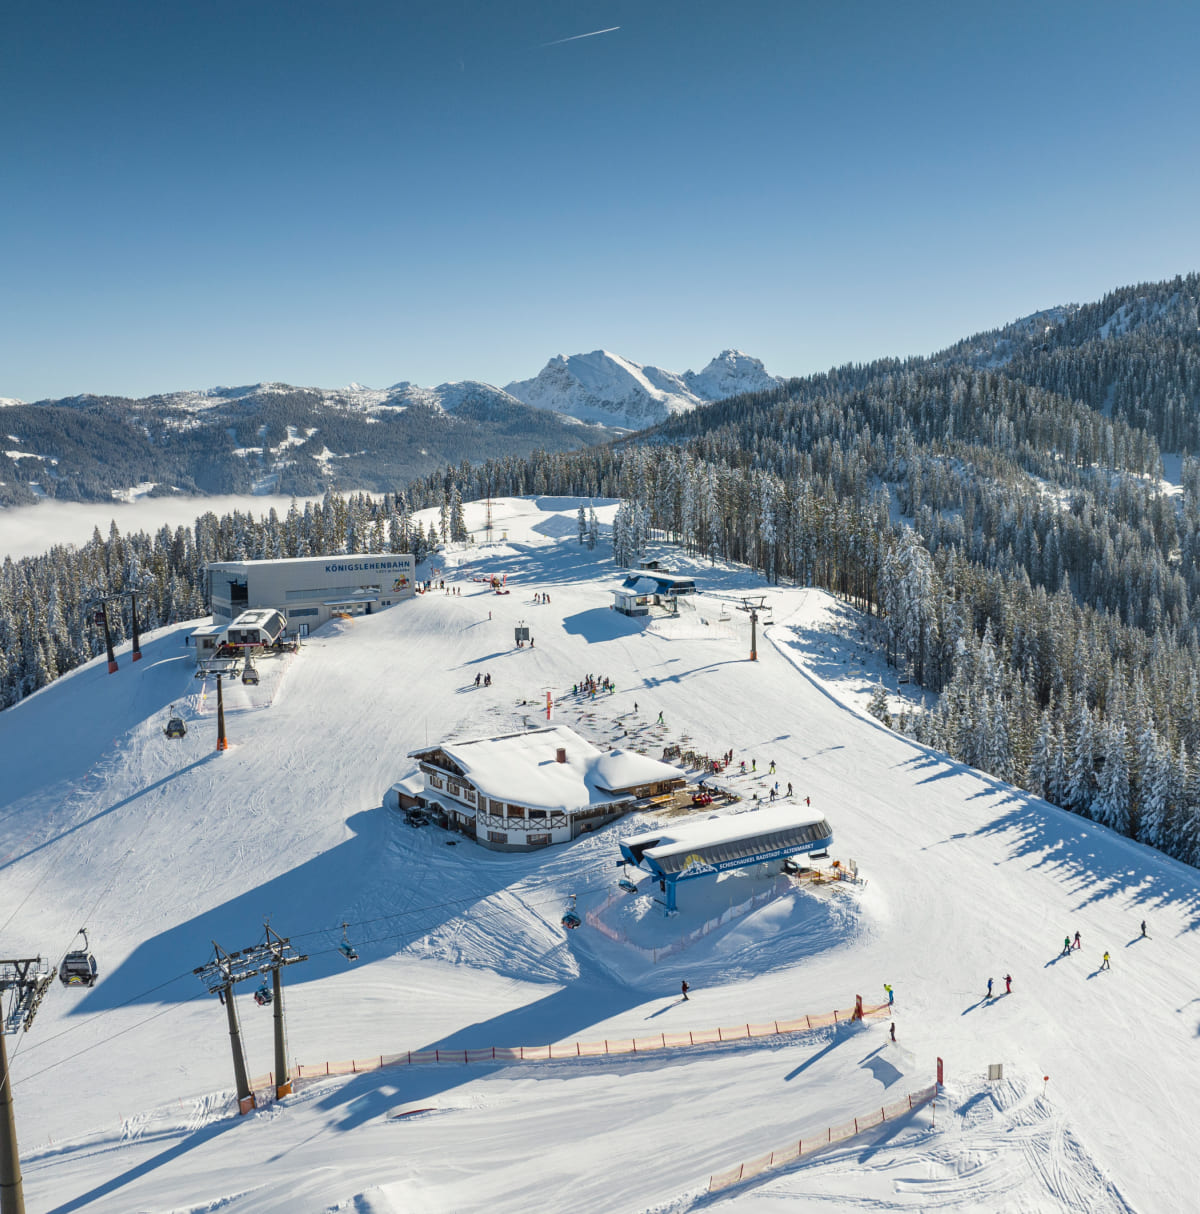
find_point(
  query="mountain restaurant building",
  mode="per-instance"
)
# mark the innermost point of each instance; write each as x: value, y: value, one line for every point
x: 521, y: 791
x: 310, y: 590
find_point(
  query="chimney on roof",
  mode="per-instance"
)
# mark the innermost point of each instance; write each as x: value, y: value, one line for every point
x: 560, y: 755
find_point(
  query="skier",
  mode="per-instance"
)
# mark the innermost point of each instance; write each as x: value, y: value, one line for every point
x: 743, y: 767
x: 1008, y: 984
x: 989, y: 994
x: 1066, y: 946
x: 635, y: 706
x: 753, y: 764
x: 893, y: 1030
x: 660, y: 718
x: 1144, y: 928
x: 807, y: 801
x: 478, y: 676
x: 789, y: 788
x: 772, y: 794
x: 890, y: 993
x: 1078, y: 942
x: 772, y: 767
x: 684, y: 987
x: 1104, y: 965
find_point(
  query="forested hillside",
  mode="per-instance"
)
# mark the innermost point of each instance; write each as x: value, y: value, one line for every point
x: 1016, y: 541
x: 292, y: 440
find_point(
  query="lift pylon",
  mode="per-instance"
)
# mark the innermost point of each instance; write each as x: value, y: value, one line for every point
x: 25, y: 980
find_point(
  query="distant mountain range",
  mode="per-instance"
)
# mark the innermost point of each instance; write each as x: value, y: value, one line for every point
x: 273, y: 437
x: 609, y: 390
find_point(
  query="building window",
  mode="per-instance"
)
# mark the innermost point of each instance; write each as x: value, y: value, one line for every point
x: 436, y: 781
x: 515, y: 811
x: 469, y: 793
x: 295, y: 611
x: 498, y: 836
x: 452, y: 788
x: 538, y: 840
x: 537, y: 813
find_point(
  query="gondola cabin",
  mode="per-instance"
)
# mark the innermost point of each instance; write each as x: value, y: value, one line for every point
x: 262, y: 627
x: 175, y: 726
x: 78, y: 967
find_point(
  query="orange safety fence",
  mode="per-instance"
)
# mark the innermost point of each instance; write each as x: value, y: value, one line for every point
x: 820, y: 1140
x: 575, y: 1049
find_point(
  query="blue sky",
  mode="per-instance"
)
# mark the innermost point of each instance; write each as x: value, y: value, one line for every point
x: 220, y: 193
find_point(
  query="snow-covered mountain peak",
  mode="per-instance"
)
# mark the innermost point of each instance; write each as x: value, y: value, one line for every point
x: 615, y: 391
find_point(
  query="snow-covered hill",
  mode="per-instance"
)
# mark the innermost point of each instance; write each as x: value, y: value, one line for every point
x: 447, y: 397
x: 162, y: 847
x: 609, y: 390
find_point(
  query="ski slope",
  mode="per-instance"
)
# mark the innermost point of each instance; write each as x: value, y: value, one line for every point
x: 163, y: 847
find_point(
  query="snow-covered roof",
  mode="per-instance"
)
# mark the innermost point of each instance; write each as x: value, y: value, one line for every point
x: 723, y: 838
x: 649, y: 582
x: 523, y: 767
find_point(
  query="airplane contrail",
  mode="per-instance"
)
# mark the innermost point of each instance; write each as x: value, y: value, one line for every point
x: 612, y: 29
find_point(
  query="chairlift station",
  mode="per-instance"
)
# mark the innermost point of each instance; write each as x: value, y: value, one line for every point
x: 714, y: 845
x: 308, y: 591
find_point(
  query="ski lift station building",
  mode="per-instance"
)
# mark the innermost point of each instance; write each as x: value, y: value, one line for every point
x: 521, y: 791
x: 307, y: 591
x: 651, y: 587
x: 700, y: 849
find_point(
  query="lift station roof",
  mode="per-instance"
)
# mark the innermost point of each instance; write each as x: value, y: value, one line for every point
x: 731, y: 841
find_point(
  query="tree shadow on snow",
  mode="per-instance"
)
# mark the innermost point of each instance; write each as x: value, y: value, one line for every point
x: 190, y: 1142
x: 562, y: 1014
x: 304, y: 903
x: 1092, y: 861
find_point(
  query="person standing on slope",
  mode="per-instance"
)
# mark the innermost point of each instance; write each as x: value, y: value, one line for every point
x: 1104, y: 965
x: 1078, y: 941
x: 1008, y: 984
x: 989, y: 994
x: 684, y: 987
x: 1066, y: 946
x: 1144, y: 929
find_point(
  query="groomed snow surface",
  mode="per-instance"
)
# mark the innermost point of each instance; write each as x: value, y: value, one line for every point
x: 161, y: 847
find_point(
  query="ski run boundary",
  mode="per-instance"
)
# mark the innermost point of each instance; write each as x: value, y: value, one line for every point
x: 574, y: 1049
x: 820, y: 1140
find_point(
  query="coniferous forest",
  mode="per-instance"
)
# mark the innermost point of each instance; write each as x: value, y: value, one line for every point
x: 999, y: 507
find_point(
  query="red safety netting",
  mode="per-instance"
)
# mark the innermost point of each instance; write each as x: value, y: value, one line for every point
x: 805, y: 1146
x: 582, y: 1049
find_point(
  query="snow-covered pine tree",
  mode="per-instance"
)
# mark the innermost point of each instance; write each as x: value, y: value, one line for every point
x: 878, y: 706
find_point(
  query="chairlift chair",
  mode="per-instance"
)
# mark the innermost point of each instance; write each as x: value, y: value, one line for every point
x: 78, y: 967
x: 347, y: 949
x: 628, y: 886
x: 264, y: 995
x: 175, y: 726
x: 570, y: 917
x: 249, y: 673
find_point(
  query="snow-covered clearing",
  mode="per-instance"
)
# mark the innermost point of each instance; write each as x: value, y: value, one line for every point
x: 161, y: 847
